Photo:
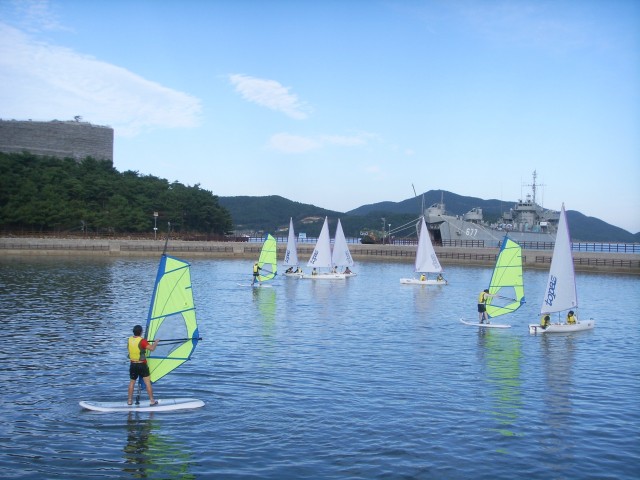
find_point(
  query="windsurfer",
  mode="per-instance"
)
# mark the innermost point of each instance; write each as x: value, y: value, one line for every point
x: 256, y: 272
x: 482, y: 305
x: 138, y: 363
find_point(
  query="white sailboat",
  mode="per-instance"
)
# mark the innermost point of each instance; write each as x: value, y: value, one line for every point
x: 291, y: 255
x: 561, y: 294
x: 341, y: 256
x: 320, y: 260
x: 426, y: 261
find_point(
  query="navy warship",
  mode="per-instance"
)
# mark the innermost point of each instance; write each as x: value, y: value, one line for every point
x: 526, y: 222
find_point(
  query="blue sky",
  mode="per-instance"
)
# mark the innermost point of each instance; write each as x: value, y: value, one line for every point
x: 345, y: 103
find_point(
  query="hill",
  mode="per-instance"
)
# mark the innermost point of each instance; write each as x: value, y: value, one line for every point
x: 272, y: 213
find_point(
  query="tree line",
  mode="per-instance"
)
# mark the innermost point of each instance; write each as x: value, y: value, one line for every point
x: 48, y: 194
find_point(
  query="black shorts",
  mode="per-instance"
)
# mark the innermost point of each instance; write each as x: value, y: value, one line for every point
x: 138, y: 370
x: 482, y: 308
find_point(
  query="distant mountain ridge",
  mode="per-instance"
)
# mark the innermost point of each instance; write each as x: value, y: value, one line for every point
x: 272, y: 213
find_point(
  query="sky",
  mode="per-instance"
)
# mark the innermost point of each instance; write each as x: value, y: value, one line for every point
x: 343, y: 103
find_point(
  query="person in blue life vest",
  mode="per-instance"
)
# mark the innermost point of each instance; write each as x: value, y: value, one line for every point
x: 138, y: 363
x: 256, y: 272
x: 545, y: 321
x: 571, y: 318
x: 482, y: 305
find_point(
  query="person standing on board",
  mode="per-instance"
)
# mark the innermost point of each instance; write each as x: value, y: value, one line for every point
x: 482, y: 305
x: 256, y: 272
x: 138, y: 363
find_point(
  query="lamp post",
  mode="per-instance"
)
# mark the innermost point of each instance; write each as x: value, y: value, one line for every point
x: 384, y: 220
x: 155, y: 225
x: 389, y: 234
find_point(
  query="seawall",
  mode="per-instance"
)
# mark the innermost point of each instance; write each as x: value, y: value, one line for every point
x: 622, y: 263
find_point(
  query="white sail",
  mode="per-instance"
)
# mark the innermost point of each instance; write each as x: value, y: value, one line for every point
x: 321, y: 255
x: 426, y: 259
x: 341, y: 256
x: 561, y: 293
x: 291, y: 254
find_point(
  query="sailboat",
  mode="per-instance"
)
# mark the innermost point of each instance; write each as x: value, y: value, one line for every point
x: 341, y: 256
x: 172, y: 320
x: 506, y: 286
x: 426, y: 261
x: 320, y: 260
x: 561, y: 294
x: 267, y: 262
x: 291, y: 254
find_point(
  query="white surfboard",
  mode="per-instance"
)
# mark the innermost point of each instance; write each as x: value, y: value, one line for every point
x: 164, y: 405
x: 486, y: 325
x: 257, y: 285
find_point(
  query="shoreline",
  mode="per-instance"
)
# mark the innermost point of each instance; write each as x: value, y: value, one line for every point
x: 623, y: 263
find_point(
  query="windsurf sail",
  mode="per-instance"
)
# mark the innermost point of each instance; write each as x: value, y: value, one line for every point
x: 172, y: 318
x: 507, y: 281
x: 268, y: 259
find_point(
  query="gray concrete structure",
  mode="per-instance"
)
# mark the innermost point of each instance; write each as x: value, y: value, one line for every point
x: 60, y: 139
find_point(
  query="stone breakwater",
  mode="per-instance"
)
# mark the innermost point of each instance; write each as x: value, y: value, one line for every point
x: 583, y: 261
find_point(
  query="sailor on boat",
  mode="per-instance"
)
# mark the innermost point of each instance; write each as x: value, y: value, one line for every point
x: 545, y: 321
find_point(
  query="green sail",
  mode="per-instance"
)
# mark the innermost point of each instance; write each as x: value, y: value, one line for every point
x: 507, y: 281
x: 268, y: 259
x: 172, y: 318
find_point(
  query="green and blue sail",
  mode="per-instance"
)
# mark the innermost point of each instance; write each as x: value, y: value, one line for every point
x: 171, y: 318
x: 506, y: 281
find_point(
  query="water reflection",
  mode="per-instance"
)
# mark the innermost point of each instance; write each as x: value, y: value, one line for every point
x: 265, y: 299
x: 557, y: 362
x: 149, y: 454
x: 501, y: 353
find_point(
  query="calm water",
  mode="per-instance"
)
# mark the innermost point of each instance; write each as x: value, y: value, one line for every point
x: 364, y: 378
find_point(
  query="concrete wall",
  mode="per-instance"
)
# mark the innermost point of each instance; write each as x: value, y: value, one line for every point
x: 57, y: 139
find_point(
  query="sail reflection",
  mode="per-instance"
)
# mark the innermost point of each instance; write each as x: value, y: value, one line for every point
x: 501, y: 355
x: 265, y: 299
x: 558, y: 355
x: 149, y: 454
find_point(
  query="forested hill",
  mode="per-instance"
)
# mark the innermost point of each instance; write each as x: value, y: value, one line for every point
x: 61, y: 196
x: 271, y: 214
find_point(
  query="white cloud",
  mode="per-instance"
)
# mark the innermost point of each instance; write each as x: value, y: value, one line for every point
x: 41, y: 81
x: 270, y: 94
x: 287, y: 143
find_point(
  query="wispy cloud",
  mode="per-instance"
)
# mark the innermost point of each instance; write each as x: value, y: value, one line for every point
x: 270, y: 94
x: 45, y: 82
x: 528, y: 23
x: 34, y: 15
x: 288, y: 143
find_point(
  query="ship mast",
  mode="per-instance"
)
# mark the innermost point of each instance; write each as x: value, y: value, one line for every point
x: 534, y: 185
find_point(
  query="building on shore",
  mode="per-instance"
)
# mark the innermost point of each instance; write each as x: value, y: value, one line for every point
x: 61, y: 139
